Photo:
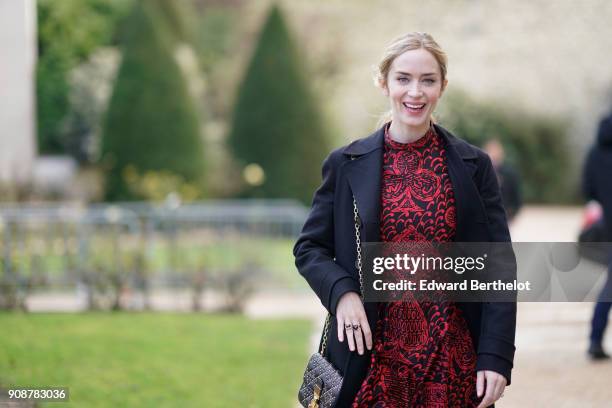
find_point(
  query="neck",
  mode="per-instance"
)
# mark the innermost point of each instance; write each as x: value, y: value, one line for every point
x: 406, y: 134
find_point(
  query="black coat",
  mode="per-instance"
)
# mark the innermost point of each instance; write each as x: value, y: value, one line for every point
x: 325, y: 251
x: 598, y: 167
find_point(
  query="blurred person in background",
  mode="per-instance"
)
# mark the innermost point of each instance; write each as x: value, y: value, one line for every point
x: 507, y: 176
x: 597, y: 185
x: 410, y: 181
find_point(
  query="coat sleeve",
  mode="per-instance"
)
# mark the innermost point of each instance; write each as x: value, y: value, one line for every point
x: 314, y: 250
x: 498, y: 321
x: 588, y: 176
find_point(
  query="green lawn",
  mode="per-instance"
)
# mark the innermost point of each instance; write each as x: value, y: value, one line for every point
x: 155, y: 360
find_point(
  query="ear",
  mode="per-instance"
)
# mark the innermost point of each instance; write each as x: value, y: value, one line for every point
x: 384, y: 88
x: 444, y: 85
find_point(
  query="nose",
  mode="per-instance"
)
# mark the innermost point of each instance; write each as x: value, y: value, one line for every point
x: 415, y: 90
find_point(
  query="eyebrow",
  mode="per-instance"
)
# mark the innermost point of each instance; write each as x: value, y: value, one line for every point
x: 406, y: 73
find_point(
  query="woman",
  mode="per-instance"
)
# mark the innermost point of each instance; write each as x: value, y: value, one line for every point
x: 468, y: 362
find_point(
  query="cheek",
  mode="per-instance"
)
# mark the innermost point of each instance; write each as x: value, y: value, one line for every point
x: 434, y: 96
x: 396, y: 93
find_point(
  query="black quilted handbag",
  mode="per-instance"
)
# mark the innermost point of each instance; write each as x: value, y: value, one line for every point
x: 322, y: 381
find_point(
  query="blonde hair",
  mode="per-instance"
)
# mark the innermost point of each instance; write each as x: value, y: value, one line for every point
x: 411, y: 41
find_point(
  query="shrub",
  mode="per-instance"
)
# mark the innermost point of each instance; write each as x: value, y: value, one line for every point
x: 276, y: 126
x: 151, y: 123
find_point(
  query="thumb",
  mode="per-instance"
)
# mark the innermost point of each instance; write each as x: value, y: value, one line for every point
x: 480, y: 383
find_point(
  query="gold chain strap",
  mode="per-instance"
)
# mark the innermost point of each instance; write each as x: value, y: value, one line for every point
x: 358, y: 242
x: 359, y: 264
x: 325, y: 331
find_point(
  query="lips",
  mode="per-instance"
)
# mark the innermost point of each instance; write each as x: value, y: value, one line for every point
x: 414, y: 107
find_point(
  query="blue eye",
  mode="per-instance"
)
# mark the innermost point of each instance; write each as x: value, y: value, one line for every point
x: 402, y: 80
x: 429, y: 81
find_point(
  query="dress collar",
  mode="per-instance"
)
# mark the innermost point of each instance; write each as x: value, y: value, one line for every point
x: 424, y: 140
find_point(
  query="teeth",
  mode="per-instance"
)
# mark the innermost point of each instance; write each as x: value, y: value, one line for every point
x: 411, y: 106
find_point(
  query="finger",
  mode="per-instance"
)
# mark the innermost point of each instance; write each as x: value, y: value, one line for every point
x: 480, y: 383
x: 499, y: 388
x: 340, y: 324
x: 358, y: 337
x: 490, y: 389
x: 367, y: 333
x: 481, y: 387
x: 349, y: 336
x: 485, y: 403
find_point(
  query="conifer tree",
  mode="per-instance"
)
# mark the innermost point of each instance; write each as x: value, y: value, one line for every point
x: 276, y: 123
x: 151, y: 124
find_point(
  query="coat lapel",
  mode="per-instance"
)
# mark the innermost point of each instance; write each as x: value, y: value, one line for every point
x: 457, y: 174
x: 364, y: 175
x: 461, y: 168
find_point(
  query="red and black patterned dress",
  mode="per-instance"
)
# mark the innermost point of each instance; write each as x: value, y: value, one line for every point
x: 423, y: 354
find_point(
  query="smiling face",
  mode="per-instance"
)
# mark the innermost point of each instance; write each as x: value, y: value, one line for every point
x: 413, y: 85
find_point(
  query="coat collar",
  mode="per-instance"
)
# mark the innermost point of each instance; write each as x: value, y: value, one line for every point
x: 364, y: 174
x: 376, y: 140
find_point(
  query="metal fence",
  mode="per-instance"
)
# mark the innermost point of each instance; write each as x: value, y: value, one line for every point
x: 106, y: 251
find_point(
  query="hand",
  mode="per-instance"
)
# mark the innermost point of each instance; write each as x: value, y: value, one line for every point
x: 351, y: 317
x: 494, y: 383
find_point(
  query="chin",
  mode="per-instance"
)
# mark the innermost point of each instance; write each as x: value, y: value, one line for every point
x: 419, y: 123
